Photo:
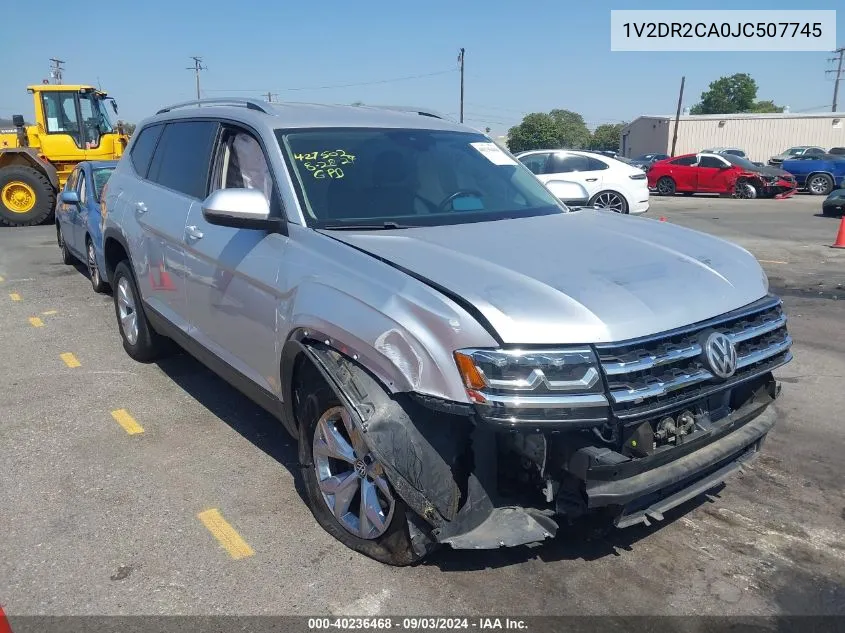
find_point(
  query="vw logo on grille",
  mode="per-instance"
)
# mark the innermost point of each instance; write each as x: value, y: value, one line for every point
x: 720, y: 354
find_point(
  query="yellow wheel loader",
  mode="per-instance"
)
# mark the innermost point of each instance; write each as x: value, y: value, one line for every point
x: 72, y: 124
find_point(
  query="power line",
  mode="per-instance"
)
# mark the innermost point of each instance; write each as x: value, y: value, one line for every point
x: 350, y: 85
x: 197, y: 67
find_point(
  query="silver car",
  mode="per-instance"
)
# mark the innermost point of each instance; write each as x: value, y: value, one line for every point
x: 463, y: 359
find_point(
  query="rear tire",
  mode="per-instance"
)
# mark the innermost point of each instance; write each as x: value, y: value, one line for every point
x: 67, y: 258
x: 317, y: 406
x: 26, y: 196
x: 140, y: 340
x: 819, y: 184
x: 609, y: 200
x: 666, y: 186
x: 97, y: 282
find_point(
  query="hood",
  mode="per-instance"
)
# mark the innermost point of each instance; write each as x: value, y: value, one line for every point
x: 581, y: 277
x: 769, y: 171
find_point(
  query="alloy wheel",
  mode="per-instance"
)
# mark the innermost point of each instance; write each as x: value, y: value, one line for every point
x: 351, y: 481
x: 611, y: 201
x: 127, y: 311
x: 818, y: 185
x: 92, y: 265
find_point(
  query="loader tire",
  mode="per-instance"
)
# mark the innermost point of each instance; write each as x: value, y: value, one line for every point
x: 26, y: 196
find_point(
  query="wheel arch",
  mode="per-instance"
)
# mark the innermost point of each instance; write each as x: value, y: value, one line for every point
x: 115, y: 250
x: 28, y: 157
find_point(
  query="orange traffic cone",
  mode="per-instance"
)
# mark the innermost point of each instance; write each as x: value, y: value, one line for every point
x: 164, y: 276
x: 840, y: 238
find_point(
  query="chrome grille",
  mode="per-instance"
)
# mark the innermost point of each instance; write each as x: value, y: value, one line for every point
x: 650, y: 374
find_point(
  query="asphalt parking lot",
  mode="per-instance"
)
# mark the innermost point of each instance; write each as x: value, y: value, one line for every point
x: 158, y: 489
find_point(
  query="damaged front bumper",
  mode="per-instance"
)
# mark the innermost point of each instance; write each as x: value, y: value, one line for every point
x: 590, y: 479
x: 474, y: 484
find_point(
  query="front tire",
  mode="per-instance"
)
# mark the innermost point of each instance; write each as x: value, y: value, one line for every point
x: 26, y: 196
x: 666, y: 186
x: 343, y: 481
x: 140, y: 341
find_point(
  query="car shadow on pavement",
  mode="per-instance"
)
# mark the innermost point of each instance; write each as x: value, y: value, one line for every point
x: 587, y: 539
x: 232, y: 407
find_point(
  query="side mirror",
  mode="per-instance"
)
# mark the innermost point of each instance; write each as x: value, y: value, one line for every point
x: 17, y: 120
x: 239, y: 209
x: 70, y: 197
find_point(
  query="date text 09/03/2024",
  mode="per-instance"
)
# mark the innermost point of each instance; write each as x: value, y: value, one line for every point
x: 416, y: 623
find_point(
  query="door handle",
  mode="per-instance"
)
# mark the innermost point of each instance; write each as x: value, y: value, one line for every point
x: 193, y: 233
x: 591, y: 179
x: 140, y: 208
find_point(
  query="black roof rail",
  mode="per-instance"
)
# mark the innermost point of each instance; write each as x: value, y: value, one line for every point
x: 412, y: 110
x: 250, y: 104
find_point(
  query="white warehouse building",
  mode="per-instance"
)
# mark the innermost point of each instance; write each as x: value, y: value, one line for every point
x: 761, y: 136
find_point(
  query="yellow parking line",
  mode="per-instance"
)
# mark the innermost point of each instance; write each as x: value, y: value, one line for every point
x: 225, y: 534
x: 36, y: 322
x: 70, y: 359
x: 2, y: 279
x: 14, y: 296
x: 771, y: 261
x: 122, y: 417
x: 49, y: 313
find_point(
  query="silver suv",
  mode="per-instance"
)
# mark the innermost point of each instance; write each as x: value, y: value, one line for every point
x: 463, y: 359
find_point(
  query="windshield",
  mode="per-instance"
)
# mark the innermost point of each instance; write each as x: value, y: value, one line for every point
x: 389, y: 178
x: 794, y: 151
x: 95, y: 119
x: 739, y: 161
x: 101, y: 177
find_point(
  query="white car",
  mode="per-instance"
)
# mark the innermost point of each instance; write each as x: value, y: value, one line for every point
x: 587, y: 179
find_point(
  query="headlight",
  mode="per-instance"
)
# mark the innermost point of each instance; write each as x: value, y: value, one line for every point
x: 534, y: 386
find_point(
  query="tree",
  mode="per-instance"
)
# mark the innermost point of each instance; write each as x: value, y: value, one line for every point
x: 538, y: 130
x: 728, y: 95
x: 128, y: 128
x: 357, y: 103
x: 607, y: 136
x: 766, y: 106
x: 572, y: 131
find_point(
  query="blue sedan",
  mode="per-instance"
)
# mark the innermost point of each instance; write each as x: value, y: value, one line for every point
x: 819, y: 174
x: 79, y: 220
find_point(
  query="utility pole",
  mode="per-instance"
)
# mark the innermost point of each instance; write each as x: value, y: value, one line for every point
x: 678, y: 116
x: 56, y: 69
x: 197, y: 67
x: 837, y: 77
x: 461, y: 62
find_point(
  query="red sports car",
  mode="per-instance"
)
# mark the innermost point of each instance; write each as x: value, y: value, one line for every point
x: 719, y: 173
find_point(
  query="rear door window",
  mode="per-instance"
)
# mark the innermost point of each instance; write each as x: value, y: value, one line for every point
x: 183, y: 155
x: 563, y: 164
x: 684, y: 161
x: 711, y: 161
x: 142, y: 148
x: 536, y: 163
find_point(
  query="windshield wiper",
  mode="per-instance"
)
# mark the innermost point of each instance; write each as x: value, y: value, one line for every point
x: 366, y: 227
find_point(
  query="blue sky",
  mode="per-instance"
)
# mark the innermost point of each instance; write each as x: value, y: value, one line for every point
x: 521, y: 57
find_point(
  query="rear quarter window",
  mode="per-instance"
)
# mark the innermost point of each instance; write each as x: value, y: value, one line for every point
x: 183, y: 156
x: 143, y: 147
